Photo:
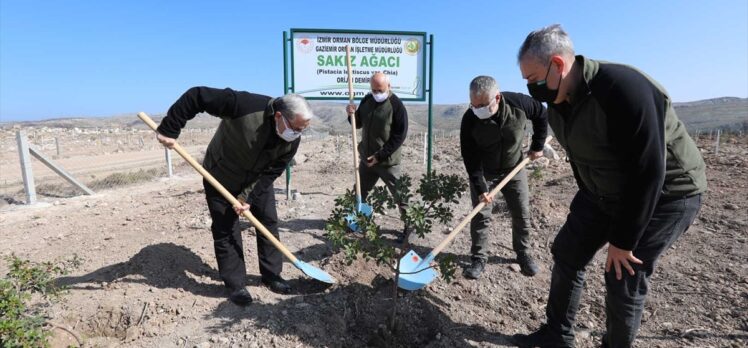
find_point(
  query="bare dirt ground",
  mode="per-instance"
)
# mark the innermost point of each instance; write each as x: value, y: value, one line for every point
x: 149, y: 276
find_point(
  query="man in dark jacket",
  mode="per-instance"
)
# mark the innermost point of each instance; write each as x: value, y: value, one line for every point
x: 257, y: 137
x: 384, y: 126
x: 640, y: 179
x: 491, y: 137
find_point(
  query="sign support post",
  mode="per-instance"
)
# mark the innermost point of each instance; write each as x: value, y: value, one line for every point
x: 431, y: 94
x: 285, y: 90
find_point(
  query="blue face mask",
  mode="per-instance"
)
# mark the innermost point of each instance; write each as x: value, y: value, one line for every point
x: 540, y: 91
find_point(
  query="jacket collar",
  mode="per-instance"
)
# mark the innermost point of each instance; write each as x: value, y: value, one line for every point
x: 589, y: 71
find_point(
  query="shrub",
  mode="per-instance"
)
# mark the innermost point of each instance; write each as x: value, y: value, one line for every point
x: 20, y: 324
x: 435, y: 194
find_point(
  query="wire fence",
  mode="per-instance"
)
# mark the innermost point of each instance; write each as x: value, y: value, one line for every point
x: 98, y: 158
x: 104, y: 158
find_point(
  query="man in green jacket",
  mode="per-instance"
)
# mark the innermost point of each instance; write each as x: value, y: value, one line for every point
x: 258, y: 135
x: 384, y: 126
x: 491, y: 135
x: 640, y: 179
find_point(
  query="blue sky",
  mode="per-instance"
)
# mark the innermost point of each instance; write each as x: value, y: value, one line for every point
x: 100, y: 58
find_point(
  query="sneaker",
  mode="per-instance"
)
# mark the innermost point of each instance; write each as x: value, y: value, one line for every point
x: 277, y: 284
x: 527, y: 264
x: 475, y: 269
x: 240, y: 297
x: 541, y: 338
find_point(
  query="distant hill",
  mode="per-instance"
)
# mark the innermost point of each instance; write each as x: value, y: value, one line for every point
x: 728, y: 113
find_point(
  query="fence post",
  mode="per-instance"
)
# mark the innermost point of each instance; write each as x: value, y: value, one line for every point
x: 716, y: 143
x: 425, y: 149
x: 57, y: 146
x: 168, y: 161
x: 57, y: 169
x: 26, y: 172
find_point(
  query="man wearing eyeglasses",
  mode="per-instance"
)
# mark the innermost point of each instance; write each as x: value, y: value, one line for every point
x: 258, y: 135
x: 384, y: 126
x: 491, y: 137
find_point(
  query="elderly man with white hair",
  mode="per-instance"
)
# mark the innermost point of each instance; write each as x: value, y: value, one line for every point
x: 257, y: 137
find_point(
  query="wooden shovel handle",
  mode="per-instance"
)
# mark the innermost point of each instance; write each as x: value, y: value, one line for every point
x: 234, y: 202
x: 353, y: 124
x: 480, y: 205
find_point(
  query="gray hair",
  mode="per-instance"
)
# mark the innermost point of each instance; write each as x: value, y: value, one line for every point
x: 483, y: 85
x: 291, y: 105
x: 545, y: 42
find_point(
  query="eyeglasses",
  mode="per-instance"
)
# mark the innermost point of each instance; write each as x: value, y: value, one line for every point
x: 484, y: 105
x: 288, y: 125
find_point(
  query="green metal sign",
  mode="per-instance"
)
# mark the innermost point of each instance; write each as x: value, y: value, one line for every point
x: 318, y: 67
x: 318, y: 62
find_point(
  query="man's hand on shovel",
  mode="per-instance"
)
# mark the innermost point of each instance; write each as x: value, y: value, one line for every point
x: 166, y: 141
x: 533, y: 155
x: 239, y: 209
x: 485, y: 198
x: 371, y: 161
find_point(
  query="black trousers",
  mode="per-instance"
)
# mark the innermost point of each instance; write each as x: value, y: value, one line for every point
x: 389, y: 175
x: 576, y: 244
x: 227, y: 238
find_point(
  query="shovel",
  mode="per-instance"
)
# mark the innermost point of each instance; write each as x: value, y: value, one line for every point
x: 361, y: 207
x: 415, y: 271
x: 308, y: 269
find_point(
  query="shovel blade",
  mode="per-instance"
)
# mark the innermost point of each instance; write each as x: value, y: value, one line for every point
x: 314, y: 272
x: 363, y: 208
x: 415, y: 272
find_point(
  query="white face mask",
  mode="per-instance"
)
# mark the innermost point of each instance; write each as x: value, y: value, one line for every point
x: 483, y: 112
x: 380, y: 97
x: 288, y: 134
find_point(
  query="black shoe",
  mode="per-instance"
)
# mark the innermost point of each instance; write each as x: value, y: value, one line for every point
x: 241, y: 297
x: 277, y: 284
x: 475, y: 269
x: 526, y: 264
x: 541, y: 338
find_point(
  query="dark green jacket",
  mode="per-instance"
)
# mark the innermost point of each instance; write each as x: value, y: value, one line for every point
x: 246, y: 154
x: 384, y: 127
x: 494, y: 146
x: 626, y: 145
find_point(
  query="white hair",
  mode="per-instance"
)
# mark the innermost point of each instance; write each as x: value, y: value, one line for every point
x: 546, y: 42
x: 291, y: 105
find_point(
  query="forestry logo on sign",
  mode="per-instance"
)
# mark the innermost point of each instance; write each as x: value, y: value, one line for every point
x: 411, y: 47
x: 305, y: 45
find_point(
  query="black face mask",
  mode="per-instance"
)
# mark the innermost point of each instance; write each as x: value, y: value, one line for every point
x: 540, y: 91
